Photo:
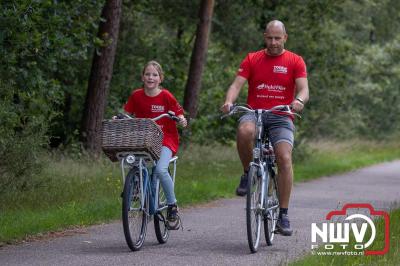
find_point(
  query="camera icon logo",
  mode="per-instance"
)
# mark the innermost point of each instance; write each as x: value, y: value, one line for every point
x: 354, y: 219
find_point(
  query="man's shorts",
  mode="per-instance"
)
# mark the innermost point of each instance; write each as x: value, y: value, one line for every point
x: 280, y: 128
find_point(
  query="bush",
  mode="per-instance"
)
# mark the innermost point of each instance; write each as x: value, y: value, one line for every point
x: 22, y: 139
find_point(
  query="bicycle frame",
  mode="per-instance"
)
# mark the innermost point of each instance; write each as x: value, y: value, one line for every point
x: 142, y: 195
x: 260, y: 160
x: 262, y: 200
x: 143, y: 162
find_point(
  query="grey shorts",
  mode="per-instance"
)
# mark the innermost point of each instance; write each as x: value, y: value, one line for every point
x: 280, y: 128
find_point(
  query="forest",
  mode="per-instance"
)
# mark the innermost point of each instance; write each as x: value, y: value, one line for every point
x: 52, y: 54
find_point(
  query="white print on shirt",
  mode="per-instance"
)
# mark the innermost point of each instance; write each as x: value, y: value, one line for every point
x: 271, y: 96
x: 157, y: 108
x: 280, y: 69
x: 271, y: 87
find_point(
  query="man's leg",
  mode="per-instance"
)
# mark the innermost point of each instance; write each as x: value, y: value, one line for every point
x: 244, y: 142
x: 283, y: 153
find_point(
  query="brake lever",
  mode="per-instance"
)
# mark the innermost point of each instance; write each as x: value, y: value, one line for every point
x: 173, y: 116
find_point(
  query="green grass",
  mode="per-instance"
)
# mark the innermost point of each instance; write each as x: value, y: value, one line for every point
x: 390, y: 258
x: 327, y: 158
x: 85, y: 192
x: 205, y: 174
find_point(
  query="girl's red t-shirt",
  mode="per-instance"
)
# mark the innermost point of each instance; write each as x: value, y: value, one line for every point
x: 143, y: 106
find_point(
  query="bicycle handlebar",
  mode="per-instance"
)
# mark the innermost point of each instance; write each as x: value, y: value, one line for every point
x: 285, y: 109
x: 169, y: 114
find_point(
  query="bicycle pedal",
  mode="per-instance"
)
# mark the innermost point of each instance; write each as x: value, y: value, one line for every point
x: 175, y: 225
x: 172, y: 227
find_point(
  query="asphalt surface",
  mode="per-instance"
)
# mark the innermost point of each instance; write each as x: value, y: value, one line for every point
x: 215, y: 234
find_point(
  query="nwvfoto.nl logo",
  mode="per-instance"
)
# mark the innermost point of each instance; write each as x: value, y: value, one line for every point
x: 352, y: 222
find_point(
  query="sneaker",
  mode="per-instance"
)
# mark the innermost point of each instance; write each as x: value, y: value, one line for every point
x: 173, y: 219
x: 283, y: 225
x: 241, y: 190
x: 172, y: 213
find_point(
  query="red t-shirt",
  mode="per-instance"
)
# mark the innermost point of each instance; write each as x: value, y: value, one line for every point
x: 143, y: 106
x: 271, y: 78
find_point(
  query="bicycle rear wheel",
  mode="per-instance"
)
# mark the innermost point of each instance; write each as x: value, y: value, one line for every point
x: 253, y: 209
x: 272, y: 213
x: 134, y: 217
x: 160, y: 222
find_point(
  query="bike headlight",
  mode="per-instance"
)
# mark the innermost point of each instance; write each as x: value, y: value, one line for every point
x: 130, y: 159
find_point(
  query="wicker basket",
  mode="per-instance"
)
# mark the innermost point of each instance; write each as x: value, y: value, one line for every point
x: 133, y: 135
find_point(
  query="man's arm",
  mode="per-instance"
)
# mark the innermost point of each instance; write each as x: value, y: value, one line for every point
x: 233, y: 93
x: 302, y: 94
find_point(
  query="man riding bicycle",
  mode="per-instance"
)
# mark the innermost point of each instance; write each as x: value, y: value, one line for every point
x: 275, y: 76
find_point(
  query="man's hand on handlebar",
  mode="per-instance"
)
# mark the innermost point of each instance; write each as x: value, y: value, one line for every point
x: 297, y: 106
x: 226, y: 107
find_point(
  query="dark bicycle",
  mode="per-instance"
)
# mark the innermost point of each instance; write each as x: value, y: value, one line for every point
x: 262, y: 201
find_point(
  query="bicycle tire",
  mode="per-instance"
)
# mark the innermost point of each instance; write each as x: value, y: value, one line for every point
x: 253, y: 212
x: 271, y: 216
x: 134, y: 218
x: 160, y: 222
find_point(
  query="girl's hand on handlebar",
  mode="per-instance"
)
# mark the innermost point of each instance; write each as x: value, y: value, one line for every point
x: 121, y: 116
x: 182, y: 121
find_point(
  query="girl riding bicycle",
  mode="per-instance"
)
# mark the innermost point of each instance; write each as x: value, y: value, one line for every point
x: 148, y: 102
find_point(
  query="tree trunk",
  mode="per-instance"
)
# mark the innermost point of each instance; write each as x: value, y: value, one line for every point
x: 100, y: 76
x: 198, y: 58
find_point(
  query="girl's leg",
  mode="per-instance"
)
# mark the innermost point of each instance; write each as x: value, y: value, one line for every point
x: 161, y: 172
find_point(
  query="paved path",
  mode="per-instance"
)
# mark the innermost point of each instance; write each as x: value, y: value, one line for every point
x: 215, y: 234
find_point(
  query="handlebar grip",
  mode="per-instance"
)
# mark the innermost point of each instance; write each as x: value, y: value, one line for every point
x: 173, y: 116
x: 120, y: 116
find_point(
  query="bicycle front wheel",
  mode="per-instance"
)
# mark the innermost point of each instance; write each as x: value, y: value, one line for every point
x: 160, y: 222
x: 272, y: 213
x: 253, y: 209
x: 134, y: 217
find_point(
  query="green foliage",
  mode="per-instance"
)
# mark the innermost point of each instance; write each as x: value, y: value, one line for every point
x: 379, y: 68
x: 44, y: 48
x: 19, y: 152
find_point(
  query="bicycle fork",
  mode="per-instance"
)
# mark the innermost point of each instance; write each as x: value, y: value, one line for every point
x: 261, y: 172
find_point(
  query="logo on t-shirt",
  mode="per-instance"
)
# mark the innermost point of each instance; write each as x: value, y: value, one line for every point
x: 157, y: 108
x: 280, y: 69
x: 264, y: 86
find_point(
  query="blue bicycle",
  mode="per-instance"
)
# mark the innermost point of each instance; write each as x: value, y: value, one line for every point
x: 142, y: 196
